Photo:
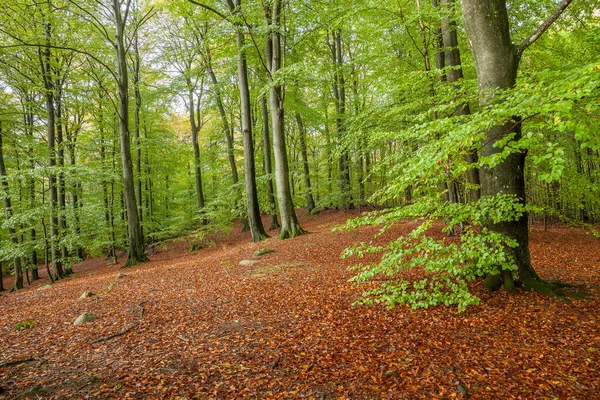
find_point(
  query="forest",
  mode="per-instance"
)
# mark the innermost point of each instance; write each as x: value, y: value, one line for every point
x: 418, y: 157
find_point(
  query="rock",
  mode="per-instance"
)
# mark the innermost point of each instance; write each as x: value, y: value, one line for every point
x: 84, y: 318
x: 87, y: 294
x: 462, y: 390
x: 45, y: 287
x: 121, y: 276
x: 248, y: 263
x: 261, y: 252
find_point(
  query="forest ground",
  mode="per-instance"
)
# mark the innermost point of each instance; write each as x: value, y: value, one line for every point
x: 203, y: 326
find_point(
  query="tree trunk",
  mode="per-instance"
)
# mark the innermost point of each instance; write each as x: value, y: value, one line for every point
x: 61, y: 176
x: 9, y: 213
x: 45, y: 61
x: 136, y: 125
x: 267, y: 163
x: 310, y: 202
x: 29, y: 121
x: 455, y: 75
x: 228, y: 135
x: 135, y: 253
x: 195, y: 129
x: 339, y: 92
x: 496, y: 62
x: 289, y: 222
x: 254, y: 218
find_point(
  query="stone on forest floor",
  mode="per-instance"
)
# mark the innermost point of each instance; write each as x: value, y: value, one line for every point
x: 261, y: 252
x: 248, y: 263
x: 44, y: 287
x: 121, y: 276
x: 84, y: 318
x: 87, y: 294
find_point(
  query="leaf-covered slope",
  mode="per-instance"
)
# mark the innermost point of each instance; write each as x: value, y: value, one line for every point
x: 202, y: 326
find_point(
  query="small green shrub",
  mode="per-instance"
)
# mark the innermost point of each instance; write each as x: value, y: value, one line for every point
x: 27, y: 324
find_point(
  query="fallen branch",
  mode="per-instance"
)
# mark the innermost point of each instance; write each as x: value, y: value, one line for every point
x: 114, y: 335
x: 142, y: 309
x: 17, y: 362
x: 34, y: 391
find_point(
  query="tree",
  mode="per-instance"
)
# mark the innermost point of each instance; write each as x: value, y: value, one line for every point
x: 289, y: 222
x: 135, y: 252
x: 497, y: 61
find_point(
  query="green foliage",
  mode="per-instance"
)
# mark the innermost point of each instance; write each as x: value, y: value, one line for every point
x: 448, y: 263
x: 27, y: 324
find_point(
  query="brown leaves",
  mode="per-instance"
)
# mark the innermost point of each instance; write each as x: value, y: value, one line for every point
x: 285, y: 328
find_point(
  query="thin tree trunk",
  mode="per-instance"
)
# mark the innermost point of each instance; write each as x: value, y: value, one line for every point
x: 9, y: 214
x: 455, y: 75
x: 61, y: 177
x: 267, y: 163
x: 310, y: 202
x: 254, y: 218
x: 195, y: 127
x: 45, y: 61
x: 339, y: 93
x: 136, y: 127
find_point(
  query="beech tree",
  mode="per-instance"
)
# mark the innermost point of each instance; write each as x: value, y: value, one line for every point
x: 497, y: 61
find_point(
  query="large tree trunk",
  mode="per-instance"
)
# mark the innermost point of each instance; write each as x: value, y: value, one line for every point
x: 135, y: 253
x: 9, y: 213
x: 289, y: 222
x: 497, y: 62
x: 254, y: 218
x: 267, y: 163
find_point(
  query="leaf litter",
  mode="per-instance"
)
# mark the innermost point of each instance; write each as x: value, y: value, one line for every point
x: 199, y: 325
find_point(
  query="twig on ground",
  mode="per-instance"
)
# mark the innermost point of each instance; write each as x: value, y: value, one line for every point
x: 114, y: 335
x: 17, y: 362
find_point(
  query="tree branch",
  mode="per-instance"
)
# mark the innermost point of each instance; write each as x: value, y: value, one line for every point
x: 209, y: 8
x: 543, y: 27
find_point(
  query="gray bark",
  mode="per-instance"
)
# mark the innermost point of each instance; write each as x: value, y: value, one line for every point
x: 267, y: 163
x: 289, y: 222
x: 135, y: 253
x: 497, y: 61
x: 9, y: 213
x: 254, y: 218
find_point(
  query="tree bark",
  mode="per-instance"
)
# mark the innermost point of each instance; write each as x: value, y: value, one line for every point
x: 339, y: 93
x: 497, y: 61
x: 310, y: 202
x: 254, y: 219
x: 267, y: 163
x: 289, y: 222
x: 135, y: 253
x: 455, y: 75
x: 195, y: 127
x: 9, y: 213
x: 45, y: 61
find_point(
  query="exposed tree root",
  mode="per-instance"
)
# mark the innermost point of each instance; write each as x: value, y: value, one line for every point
x: 131, y: 261
x: 533, y: 283
x: 17, y: 362
x: 114, y: 335
x: 291, y: 233
x: 34, y: 391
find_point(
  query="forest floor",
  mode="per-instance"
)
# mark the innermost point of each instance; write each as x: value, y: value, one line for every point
x: 200, y: 325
